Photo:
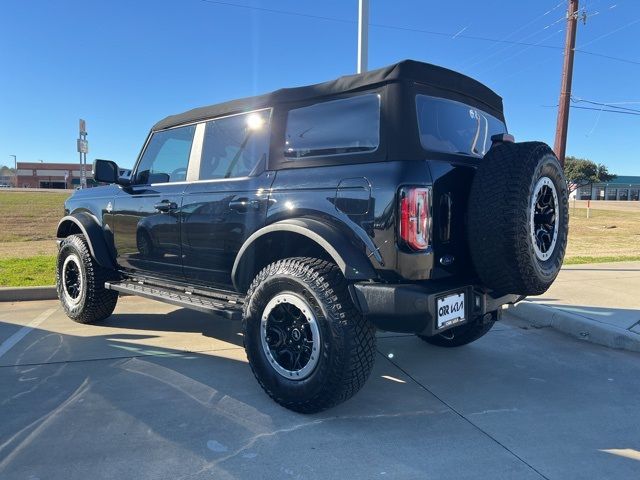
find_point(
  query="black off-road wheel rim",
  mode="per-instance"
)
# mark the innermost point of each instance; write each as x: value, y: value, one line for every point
x: 544, y: 218
x: 72, y: 280
x: 290, y: 336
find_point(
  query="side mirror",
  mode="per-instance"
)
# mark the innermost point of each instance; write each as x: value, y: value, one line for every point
x: 107, y: 171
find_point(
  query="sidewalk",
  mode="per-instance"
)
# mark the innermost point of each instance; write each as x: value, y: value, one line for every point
x: 596, y: 302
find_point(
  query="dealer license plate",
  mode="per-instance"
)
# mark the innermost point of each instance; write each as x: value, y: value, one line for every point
x: 450, y: 310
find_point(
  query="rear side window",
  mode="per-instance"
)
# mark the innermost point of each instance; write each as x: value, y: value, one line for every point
x: 454, y: 127
x: 235, y: 146
x: 336, y: 127
x: 166, y: 157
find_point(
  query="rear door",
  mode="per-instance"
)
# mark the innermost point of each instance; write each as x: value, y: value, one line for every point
x: 229, y: 200
x: 147, y: 213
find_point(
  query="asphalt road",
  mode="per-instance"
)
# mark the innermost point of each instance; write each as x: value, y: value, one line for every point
x: 163, y: 393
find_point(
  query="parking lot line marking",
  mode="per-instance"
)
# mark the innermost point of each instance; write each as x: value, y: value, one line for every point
x: 10, y: 342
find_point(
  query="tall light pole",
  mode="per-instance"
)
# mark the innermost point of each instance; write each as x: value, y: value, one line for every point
x: 15, y: 170
x: 363, y: 35
x: 560, y: 145
x: 83, y: 149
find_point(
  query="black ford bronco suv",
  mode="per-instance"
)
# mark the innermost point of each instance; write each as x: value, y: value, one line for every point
x: 393, y: 199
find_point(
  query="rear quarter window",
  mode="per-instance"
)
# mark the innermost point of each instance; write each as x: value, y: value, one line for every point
x: 453, y: 127
x: 335, y: 127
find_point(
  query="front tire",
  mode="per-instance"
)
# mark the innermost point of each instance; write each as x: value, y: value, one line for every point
x: 308, y: 346
x: 80, y: 283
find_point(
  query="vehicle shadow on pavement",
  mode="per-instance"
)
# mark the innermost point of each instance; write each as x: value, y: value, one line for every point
x: 180, y: 320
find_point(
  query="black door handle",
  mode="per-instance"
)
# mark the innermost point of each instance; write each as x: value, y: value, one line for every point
x: 165, y: 206
x: 243, y: 204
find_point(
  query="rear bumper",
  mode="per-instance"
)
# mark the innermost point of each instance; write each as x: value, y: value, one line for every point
x: 411, y: 308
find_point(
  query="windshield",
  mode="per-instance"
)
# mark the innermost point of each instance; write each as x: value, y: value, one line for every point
x: 453, y: 127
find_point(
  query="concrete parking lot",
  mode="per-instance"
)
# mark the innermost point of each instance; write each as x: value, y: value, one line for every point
x: 159, y: 392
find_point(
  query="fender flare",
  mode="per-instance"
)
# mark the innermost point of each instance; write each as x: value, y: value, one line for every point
x: 352, y: 262
x: 93, y: 233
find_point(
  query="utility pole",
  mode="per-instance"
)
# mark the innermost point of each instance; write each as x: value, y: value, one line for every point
x: 560, y: 145
x: 363, y: 35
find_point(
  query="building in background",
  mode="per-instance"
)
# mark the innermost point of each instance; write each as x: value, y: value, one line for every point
x: 51, y: 175
x: 625, y: 188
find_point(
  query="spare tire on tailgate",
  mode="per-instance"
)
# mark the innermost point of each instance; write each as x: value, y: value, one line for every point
x: 518, y: 218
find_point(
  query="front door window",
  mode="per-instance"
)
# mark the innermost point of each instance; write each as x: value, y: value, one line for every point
x: 166, y: 156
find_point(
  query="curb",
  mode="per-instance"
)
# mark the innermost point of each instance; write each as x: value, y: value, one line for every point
x: 577, y: 326
x: 17, y: 294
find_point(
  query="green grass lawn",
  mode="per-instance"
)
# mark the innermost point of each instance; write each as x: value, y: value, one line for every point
x: 28, y: 272
x: 587, y: 259
x: 26, y: 216
x: 28, y: 223
x: 606, y: 236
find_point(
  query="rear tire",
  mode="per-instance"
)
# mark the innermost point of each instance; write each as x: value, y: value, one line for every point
x: 80, y: 282
x: 308, y: 347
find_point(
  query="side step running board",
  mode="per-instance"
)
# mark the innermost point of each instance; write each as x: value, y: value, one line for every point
x: 229, y: 309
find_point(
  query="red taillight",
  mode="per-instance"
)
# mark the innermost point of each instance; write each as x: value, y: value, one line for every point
x: 415, y: 219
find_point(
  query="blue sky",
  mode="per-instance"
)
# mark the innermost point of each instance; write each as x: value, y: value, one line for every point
x: 123, y: 65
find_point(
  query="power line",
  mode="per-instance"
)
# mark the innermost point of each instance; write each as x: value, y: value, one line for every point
x: 609, y: 105
x: 469, y: 37
x: 504, y: 49
x: 520, y: 52
x: 281, y: 12
x: 512, y: 73
x: 605, y: 110
x: 561, y: 19
x: 595, y: 109
x: 610, y: 57
x: 617, y: 59
x: 624, y: 103
x: 609, y: 33
x: 507, y: 37
x: 428, y: 32
x: 378, y: 25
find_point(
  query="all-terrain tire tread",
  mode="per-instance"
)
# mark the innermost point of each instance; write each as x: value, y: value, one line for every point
x: 349, y: 370
x: 498, y: 219
x: 99, y: 302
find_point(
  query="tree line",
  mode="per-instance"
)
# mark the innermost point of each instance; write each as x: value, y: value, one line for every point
x: 581, y: 172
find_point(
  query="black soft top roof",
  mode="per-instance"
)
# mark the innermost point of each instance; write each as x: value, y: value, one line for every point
x: 407, y: 70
